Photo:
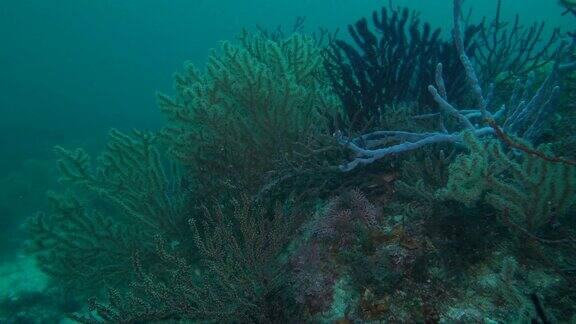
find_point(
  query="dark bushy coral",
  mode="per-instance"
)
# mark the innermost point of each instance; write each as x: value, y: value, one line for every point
x: 394, y: 61
x: 391, y: 63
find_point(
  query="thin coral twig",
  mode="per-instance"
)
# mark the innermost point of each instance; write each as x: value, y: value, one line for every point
x: 507, y: 221
x: 508, y: 141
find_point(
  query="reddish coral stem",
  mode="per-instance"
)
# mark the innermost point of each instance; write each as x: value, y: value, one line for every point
x: 508, y: 141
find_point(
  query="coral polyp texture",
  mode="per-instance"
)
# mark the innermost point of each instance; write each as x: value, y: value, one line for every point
x: 408, y: 176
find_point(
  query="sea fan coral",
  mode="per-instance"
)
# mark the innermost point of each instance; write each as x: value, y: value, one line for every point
x: 254, y: 110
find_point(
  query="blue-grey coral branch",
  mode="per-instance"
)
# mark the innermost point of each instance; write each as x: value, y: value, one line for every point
x: 523, y: 116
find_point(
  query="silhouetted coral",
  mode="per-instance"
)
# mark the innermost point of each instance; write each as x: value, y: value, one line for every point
x: 392, y: 63
x: 507, y: 51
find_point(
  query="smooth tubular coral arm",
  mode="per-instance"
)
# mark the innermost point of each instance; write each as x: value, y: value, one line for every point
x: 449, y: 109
x: 367, y: 156
x: 524, y: 116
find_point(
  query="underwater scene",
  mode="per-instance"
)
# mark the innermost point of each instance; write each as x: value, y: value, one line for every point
x: 288, y: 161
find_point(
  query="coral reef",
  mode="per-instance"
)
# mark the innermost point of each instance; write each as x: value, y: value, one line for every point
x: 246, y: 208
x: 523, y: 115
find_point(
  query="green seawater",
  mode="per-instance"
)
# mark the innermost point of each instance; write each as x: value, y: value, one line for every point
x: 71, y: 70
